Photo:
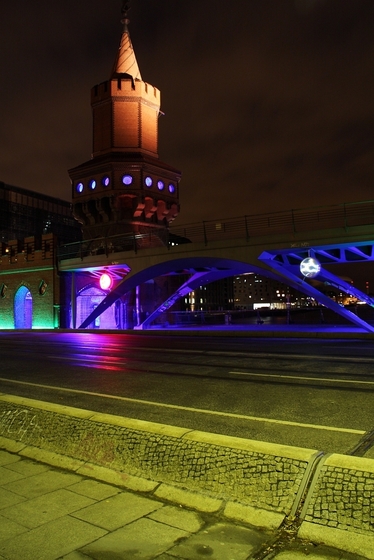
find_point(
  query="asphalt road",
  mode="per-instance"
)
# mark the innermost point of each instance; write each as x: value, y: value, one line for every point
x: 309, y: 393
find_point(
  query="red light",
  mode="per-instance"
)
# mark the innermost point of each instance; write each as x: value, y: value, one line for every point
x: 105, y: 281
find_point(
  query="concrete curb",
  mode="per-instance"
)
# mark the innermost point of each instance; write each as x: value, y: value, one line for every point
x: 350, y: 462
x: 261, y: 475
x: 354, y: 543
x: 232, y: 511
x: 252, y: 516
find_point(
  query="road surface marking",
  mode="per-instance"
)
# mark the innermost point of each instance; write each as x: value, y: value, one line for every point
x: 190, y: 409
x: 273, y: 375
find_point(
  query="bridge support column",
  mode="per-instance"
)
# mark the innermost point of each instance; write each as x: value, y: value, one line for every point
x: 137, y: 306
x: 73, y: 301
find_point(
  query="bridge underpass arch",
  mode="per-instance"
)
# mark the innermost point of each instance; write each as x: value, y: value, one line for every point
x: 87, y: 300
x: 203, y: 270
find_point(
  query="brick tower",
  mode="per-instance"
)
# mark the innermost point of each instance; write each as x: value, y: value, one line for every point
x: 124, y: 188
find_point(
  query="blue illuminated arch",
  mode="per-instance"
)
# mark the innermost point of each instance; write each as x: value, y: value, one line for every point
x: 23, y: 308
x: 208, y: 269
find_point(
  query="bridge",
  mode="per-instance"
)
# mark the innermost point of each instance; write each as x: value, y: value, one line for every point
x: 273, y: 245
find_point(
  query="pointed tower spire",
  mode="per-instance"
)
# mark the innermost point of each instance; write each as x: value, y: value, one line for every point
x: 125, y: 62
x: 124, y: 187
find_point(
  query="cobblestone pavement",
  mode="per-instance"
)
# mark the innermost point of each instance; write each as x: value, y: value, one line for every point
x: 47, y: 513
x: 343, y: 498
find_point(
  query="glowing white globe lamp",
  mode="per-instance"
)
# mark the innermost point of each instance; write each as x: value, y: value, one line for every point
x: 310, y: 267
x: 105, y: 281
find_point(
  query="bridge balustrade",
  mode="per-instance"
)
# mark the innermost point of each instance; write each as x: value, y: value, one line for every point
x: 284, y: 222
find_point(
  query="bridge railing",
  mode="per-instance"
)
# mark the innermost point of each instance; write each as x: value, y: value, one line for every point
x: 290, y: 222
x: 131, y: 241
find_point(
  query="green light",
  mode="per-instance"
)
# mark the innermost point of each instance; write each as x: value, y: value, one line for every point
x: 5, y: 325
x: 56, y: 316
x: 46, y: 323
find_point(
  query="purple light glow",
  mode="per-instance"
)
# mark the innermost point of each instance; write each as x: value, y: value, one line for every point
x: 127, y: 179
x: 80, y: 187
x: 148, y: 181
x: 105, y: 181
x: 105, y: 281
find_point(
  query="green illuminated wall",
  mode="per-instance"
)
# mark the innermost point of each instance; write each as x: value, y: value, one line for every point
x: 45, y: 311
x: 30, y: 263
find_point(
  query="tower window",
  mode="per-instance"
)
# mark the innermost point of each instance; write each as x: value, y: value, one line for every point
x: 171, y: 188
x: 160, y: 185
x: 105, y: 181
x: 148, y: 181
x: 92, y: 184
x: 127, y: 179
x: 80, y: 187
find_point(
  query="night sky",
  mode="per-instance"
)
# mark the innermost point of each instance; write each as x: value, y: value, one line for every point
x: 269, y: 104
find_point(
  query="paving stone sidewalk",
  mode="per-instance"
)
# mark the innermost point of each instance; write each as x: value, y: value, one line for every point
x: 47, y: 514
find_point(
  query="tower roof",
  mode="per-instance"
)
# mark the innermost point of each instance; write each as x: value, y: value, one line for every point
x: 125, y: 62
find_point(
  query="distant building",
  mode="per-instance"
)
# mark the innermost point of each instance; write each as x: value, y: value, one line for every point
x: 216, y: 296
x: 25, y: 213
x: 245, y: 292
x: 253, y: 291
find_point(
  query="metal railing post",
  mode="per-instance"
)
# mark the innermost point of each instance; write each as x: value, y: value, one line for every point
x: 293, y: 222
x: 205, y: 236
x: 134, y: 239
x: 246, y: 228
x: 345, y: 217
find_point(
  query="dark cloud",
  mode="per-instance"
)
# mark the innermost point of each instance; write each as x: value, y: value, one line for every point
x: 268, y: 103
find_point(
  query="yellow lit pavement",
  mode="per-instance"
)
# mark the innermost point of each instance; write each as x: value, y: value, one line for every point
x: 48, y: 513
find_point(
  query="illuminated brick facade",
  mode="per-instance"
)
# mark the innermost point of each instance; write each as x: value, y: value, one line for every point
x: 31, y: 224
x: 29, y: 284
x: 124, y: 187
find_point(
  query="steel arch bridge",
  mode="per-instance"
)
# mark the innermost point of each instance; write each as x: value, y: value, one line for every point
x: 272, y: 245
